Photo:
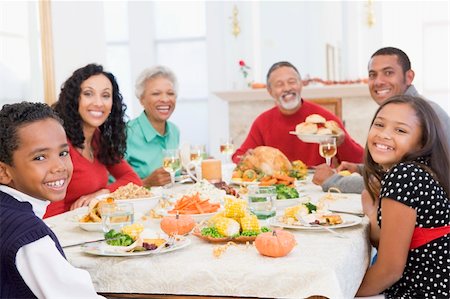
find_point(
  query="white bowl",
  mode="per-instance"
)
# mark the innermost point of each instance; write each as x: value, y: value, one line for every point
x: 142, y: 205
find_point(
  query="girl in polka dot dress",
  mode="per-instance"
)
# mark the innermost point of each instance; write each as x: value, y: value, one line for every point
x: 407, y: 176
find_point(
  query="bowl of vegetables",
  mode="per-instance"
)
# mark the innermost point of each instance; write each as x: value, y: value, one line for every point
x: 286, y: 196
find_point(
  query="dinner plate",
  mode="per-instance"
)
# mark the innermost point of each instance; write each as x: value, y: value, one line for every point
x: 312, y: 138
x: 103, y: 249
x: 348, y: 221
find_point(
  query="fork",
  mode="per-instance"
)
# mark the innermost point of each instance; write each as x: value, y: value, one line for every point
x: 304, y: 223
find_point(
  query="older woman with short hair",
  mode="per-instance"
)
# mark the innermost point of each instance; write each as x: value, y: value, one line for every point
x: 151, y: 132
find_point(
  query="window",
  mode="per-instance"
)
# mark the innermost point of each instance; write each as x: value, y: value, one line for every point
x: 117, y: 48
x: 20, y: 52
x: 180, y: 44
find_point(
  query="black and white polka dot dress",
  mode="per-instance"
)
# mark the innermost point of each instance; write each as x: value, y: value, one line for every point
x: 427, y: 270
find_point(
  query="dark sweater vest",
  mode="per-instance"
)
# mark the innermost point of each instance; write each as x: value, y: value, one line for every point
x: 19, y: 226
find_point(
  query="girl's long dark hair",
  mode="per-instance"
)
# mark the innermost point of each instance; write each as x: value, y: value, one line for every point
x: 112, y: 141
x: 434, y: 148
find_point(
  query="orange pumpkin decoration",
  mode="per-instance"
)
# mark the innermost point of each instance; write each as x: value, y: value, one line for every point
x: 277, y: 243
x: 177, y: 224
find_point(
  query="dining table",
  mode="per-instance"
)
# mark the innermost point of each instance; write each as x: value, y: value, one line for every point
x: 322, y: 264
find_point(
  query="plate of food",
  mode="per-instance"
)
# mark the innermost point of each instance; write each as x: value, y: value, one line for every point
x: 316, y: 128
x: 209, y: 234
x: 318, y: 222
x: 313, y: 138
x: 307, y: 215
x: 90, y: 218
x: 142, y: 199
x: 195, y: 206
x: 162, y: 246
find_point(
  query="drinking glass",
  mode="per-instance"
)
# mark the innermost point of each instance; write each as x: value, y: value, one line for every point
x: 226, y: 148
x: 171, y: 162
x: 197, y: 152
x: 115, y: 216
x: 328, y: 148
x: 261, y: 201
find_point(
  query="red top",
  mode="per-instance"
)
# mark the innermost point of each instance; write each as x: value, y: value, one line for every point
x: 89, y: 177
x: 272, y: 128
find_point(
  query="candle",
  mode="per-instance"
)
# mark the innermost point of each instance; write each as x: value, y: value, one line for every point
x: 212, y: 170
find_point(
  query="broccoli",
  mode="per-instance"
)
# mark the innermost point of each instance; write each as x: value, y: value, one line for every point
x: 285, y: 192
x: 118, y: 239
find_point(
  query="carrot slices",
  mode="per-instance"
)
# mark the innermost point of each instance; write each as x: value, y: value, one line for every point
x: 193, y: 204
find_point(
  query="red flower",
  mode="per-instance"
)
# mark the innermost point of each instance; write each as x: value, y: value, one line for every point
x: 241, y: 63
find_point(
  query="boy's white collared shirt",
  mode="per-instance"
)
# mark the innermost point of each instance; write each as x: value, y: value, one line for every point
x: 46, y: 272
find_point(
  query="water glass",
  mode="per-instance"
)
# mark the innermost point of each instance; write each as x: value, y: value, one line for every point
x: 261, y: 201
x: 115, y: 216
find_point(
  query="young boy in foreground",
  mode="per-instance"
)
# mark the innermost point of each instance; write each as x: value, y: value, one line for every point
x: 35, y: 169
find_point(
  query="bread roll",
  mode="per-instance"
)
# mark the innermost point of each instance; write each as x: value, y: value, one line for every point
x: 324, y: 131
x: 306, y: 128
x: 315, y: 118
x: 333, y: 126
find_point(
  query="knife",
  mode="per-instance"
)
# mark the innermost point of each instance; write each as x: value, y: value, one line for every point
x: 83, y: 243
x: 347, y: 212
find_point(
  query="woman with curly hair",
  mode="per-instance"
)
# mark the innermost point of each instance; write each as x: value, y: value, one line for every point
x: 91, y: 106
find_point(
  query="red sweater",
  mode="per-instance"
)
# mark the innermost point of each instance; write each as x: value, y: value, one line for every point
x: 89, y: 177
x: 271, y: 128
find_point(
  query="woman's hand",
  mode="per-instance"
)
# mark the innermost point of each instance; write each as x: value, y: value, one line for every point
x: 159, y: 177
x: 84, y: 200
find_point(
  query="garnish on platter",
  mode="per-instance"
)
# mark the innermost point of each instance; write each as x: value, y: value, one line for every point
x: 268, y: 166
x: 235, y: 224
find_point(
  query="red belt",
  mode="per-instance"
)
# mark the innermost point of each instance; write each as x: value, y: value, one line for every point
x: 422, y: 236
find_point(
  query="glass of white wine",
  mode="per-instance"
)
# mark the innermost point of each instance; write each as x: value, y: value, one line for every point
x: 171, y: 162
x: 328, y: 148
x: 226, y: 148
x: 198, y: 152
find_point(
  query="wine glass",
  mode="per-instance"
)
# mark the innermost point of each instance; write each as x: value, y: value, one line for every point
x: 226, y: 148
x: 197, y: 153
x: 328, y: 148
x: 171, y: 162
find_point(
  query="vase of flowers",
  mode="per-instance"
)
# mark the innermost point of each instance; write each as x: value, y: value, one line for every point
x: 244, y: 70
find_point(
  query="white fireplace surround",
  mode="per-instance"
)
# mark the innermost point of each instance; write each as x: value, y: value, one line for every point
x: 245, y: 105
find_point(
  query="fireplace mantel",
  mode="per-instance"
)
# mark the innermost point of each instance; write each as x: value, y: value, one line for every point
x: 245, y: 105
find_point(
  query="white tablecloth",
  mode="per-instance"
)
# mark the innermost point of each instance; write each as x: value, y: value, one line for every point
x: 320, y: 264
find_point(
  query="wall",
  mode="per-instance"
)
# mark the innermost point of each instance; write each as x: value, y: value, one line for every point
x: 78, y: 37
